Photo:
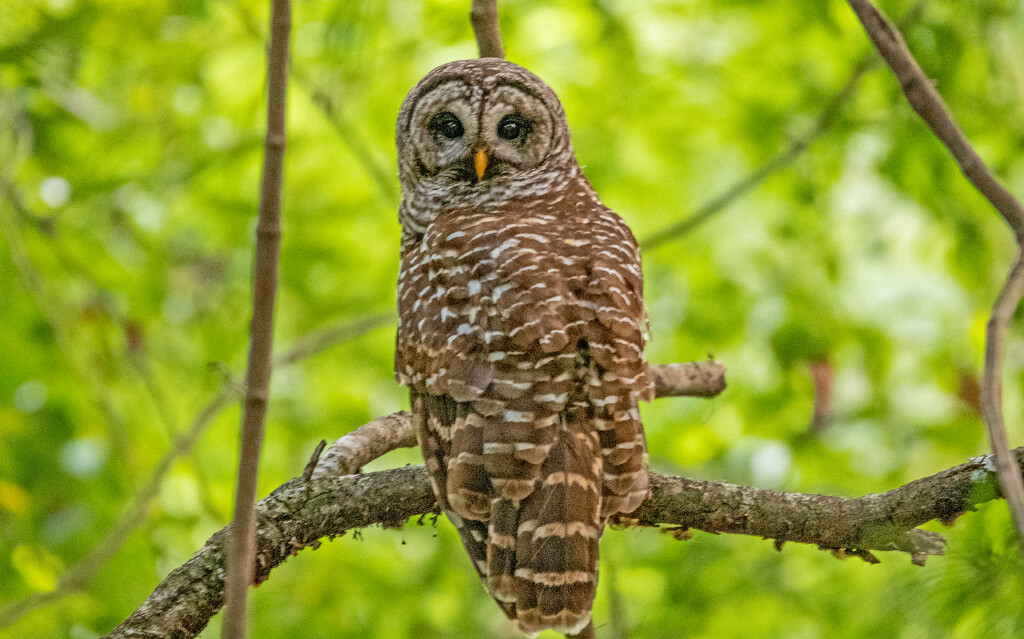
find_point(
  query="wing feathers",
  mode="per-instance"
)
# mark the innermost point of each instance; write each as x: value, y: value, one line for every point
x: 526, y: 365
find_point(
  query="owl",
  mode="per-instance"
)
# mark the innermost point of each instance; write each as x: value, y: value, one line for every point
x: 521, y: 337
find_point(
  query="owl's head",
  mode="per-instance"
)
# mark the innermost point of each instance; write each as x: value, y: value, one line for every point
x: 478, y: 132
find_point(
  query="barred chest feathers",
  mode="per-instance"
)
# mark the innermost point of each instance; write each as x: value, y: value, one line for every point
x: 521, y: 337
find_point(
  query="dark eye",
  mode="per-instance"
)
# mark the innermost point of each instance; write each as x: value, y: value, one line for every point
x: 447, y: 124
x: 513, y: 126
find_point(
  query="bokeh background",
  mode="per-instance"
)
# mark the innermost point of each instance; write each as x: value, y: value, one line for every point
x: 130, y: 147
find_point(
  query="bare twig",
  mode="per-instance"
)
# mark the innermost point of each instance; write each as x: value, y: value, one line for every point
x: 822, y: 376
x: 84, y: 571
x: 343, y: 457
x: 314, y: 459
x: 261, y: 330
x: 929, y: 105
x: 689, y: 379
x: 324, y: 98
x: 79, y: 575
x: 992, y: 390
x: 365, y: 444
x: 299, y: 513
x: 323, y: 338
x: 484, y: 17
x: 747, y: 183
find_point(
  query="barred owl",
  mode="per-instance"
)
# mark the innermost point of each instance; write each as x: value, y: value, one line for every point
x: 521, y: 337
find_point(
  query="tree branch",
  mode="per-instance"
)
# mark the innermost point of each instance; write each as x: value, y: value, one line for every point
x: 747, y: 183
x: 79, y: 575
x: 324, y: 98
x: 928, y: 104
x: 484, y: 17
x: 261, y: 330
x: 375, y: 438
x: 300, y: 513
x: 690, y: 379
x: 992, y: 390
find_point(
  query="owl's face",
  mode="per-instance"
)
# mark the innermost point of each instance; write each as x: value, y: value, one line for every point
x: 478, y: 132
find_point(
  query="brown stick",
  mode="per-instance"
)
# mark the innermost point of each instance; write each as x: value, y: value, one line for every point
x: 81, y: 574
x: 992, y: 391
x: 747, y: 183
x: 689, y: 379
x: 928, y: 104
x: 373, y: 439
x: 240, y: 560
x: 484, y: 17
x: 299, y: 513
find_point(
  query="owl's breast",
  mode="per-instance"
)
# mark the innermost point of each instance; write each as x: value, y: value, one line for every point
x: 485, y: 297
x: 478, y: 287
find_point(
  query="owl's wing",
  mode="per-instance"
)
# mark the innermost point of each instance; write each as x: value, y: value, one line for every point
x: 622, y: 377
x: 433, y: 418
x: 526, y: 347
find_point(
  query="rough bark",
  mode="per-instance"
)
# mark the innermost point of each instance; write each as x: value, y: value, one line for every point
x: 301, y: 513
x: 261, y: 328
x: 929, y: 105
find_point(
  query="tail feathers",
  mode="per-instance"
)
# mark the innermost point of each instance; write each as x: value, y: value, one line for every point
x: 501, y: 549
x: 556, y: 555
x: 529, y: 499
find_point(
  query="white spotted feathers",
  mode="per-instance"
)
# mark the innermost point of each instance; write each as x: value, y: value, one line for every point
x: 521, y: 337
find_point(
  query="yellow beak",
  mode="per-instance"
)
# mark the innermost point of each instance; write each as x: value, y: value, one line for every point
x: 480, y: 163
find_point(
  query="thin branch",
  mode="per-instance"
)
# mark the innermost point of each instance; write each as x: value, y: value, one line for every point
x: 689, y: 379
x: 929, y: 105
x: 992, y: 390
x: 261, y: 330
x: 300, y: 513
x: 325, y: 100
x: 79, y: 575
x: 351, y: 452
x: 384, y: 434
x: 483, y: 15
x: 82, y: 573
x: 319, y: 340
x: 747, y: 183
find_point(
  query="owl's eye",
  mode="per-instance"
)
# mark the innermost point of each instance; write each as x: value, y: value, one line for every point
x: 447, y: 124
x: 513, y: 126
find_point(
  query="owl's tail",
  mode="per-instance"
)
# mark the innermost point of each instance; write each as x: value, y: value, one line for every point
x: 542, y: 554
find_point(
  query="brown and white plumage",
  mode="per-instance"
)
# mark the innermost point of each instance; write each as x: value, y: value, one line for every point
x: 521, y: 336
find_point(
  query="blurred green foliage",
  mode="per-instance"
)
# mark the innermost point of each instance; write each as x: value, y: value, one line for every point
x: 130, y: 146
